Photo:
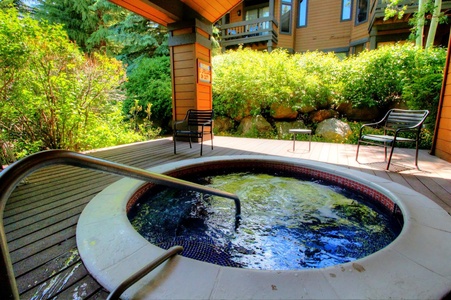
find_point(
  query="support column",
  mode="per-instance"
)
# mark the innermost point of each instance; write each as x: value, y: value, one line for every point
x: 190, y: 49
x: 373, y: 37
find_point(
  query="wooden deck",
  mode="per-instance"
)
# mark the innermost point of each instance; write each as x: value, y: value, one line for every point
x: 41, y: 215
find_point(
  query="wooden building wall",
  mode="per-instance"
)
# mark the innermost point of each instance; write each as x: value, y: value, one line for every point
x: 234, y: 18
x: 359, y: 32
x: 187, y: 91
x: 184, y: 81
x: 203, y: 91
x: 322, y: 16
x: 441, y: 146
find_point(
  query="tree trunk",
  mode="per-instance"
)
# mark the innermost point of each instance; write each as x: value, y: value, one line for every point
x: 420, y: 24
x: 434, y: 23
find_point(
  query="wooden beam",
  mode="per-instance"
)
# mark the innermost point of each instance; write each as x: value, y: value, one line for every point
x: 165, y: 12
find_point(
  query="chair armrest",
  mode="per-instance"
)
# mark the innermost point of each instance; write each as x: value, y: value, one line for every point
x: 177, y: 123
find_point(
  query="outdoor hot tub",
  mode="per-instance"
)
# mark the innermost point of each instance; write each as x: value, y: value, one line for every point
x: 414, y: 265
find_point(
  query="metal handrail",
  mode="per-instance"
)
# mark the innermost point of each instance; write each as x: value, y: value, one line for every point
x: 117, y: 292
x: 15, y: 173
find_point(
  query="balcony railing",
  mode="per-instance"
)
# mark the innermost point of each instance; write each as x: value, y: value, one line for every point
x: 377, y: 9
x: 253, y: 31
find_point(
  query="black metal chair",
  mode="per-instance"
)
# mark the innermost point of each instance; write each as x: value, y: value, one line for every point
x: 398, y: 122
x: 196, y: 124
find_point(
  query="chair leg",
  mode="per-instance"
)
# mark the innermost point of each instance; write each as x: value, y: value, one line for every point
x: 356, y: 154
x: 391, y: 153
x: 416, y: 155
x: 201, y: 143
x: 175, y: 141
x: 211, y: 134
x: 385, y: 151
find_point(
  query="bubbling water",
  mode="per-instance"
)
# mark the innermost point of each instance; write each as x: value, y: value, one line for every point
x: 287, y: 223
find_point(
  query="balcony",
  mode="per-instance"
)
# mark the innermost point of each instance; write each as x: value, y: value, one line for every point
x: 261, y: 30
x: 377, y: 9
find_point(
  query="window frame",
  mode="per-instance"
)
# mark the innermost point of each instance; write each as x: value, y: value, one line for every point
x: 343, y: 2
x: 290, y: 24
x: 299, y: 14
x: 357, y: 6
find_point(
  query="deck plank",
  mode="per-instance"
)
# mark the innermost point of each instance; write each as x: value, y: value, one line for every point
x: 40, y: 275
x: 42, y: 213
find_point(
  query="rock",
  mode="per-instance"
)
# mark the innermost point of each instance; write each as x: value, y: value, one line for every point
x: 253, y: 126
x: 307, y: 109
x: 323, y: 114
x: 280, y: 111
x: 333, y: 130
x: 284, y: 127
x: 223, y: 124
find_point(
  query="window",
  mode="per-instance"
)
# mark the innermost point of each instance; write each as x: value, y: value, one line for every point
x: 361, y: 11
x: 257, y: 13
x: 346, y: 9
x: 252, y: 14
x: 285, y: 16
x: 302, y: 20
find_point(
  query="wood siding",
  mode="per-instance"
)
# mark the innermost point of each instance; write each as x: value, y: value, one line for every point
x: 212, y: 10
x: 204, y: 94
x: 184, y: 79
x: 442, y: 137
x: 187, y: 92
x: 324, y: 29
x: 169, y: 11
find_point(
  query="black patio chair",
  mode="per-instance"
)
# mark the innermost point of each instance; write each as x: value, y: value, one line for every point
x: 397, y: 122
x: 196, y: 124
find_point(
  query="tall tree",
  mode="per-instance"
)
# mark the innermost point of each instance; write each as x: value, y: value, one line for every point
x: 138, y: 37
x: 100, y: 25
x: 20, y: 5
x: 86, y: 21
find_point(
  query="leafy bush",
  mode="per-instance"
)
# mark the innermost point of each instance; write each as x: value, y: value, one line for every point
x: 51, y: 95
x: 390, y: 75
x: 247, y: 82
x: 375, y: 78
x: 423, y: 90
x: 150, y: 83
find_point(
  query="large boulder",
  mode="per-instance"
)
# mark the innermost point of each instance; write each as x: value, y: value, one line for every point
x: 333, y: 130
x: 253, y: 126
x: 223, y: 124
x: 323, y: 114
x: 284, y: 127
x: 280, y: 111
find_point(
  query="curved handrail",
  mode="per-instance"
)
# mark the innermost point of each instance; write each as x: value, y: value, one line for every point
x: 11, y: 176
x: 117, y: 292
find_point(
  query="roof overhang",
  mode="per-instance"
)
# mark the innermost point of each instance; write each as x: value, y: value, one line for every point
x: 165, y: 12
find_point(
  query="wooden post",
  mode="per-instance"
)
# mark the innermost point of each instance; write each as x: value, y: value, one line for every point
x: 190, y: 49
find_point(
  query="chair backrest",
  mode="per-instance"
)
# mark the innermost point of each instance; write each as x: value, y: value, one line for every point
x: 198, y: 117
x: 401, y: 118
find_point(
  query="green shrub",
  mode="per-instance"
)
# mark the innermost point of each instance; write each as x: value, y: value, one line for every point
x: 394, y: 74
x: 150, y: 83
x: 423, y: 90
x: 247, y: 82
x: 375, y: 78
x: 51, y: 95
